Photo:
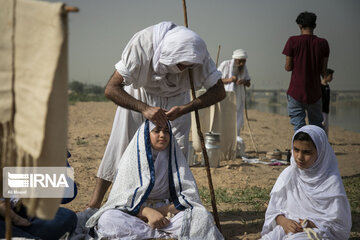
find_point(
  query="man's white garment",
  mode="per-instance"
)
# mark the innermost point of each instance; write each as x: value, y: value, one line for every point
x: 226, y: 67
x: 140, y: 180
x: 148, y: 66
x: 316, y: 194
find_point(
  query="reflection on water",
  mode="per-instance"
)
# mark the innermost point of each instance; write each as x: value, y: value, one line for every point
x: 345, y: 114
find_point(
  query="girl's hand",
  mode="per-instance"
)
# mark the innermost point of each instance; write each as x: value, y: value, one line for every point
x: 155, y: 218
x: 288, y: 225
x: 310, y: 224
x: 167, y: 209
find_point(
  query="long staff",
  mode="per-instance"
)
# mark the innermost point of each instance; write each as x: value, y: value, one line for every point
x: 207, y: 165
x: 217, y: 56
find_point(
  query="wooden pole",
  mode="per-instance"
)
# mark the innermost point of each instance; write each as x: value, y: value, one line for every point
x: 217, y: 56
x: 206, y: 158
x: 185, y: 14
x: 8, y: 219
x: 67, y: 9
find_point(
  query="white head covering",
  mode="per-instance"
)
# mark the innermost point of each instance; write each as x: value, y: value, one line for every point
x: 316, y: 193
x: 151, y: 126
x: 239, y: 54
x: 176, y: 44
x: 325, y: 164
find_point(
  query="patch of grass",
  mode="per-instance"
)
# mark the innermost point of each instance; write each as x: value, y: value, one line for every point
x: 253, y: 197
x: 86, y: 97
x: 352, y: 186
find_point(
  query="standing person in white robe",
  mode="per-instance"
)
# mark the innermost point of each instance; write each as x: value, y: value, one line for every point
x: 154, y: 194
x: 235, y: 77
x: 310, y: 188
x: 151, y: 81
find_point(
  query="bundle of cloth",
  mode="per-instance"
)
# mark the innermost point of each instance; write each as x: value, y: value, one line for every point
x: 315, y: 193
x: 150, y: 178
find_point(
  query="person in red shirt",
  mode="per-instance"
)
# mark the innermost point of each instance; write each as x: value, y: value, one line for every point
x: 306, y: 57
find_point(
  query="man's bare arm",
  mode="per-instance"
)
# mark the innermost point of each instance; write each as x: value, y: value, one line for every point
x: 213, y: 95
x: 114, y: 91
x: 289, y: 64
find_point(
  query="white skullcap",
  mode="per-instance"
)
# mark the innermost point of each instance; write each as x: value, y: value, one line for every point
x: 239, y: 54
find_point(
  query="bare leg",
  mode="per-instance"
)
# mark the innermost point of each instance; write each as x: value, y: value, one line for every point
x: 99, y: 192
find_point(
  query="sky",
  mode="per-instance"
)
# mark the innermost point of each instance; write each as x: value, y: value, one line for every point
x: 100, y: 31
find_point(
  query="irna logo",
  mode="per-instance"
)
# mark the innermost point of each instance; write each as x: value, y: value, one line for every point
x: 38, y: 182
x: 33, y: 180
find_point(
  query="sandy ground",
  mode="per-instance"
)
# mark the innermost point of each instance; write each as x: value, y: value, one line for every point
x: 90, y: 126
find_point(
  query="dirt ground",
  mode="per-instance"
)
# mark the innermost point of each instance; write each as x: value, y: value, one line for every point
x: 90, y: 126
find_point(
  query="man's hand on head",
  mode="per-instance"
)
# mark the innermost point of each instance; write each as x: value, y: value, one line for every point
x: 156, y: 115
x: 175, y: 112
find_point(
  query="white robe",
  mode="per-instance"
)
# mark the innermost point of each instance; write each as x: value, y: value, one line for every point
x: 226, y: 69
x: 135, y: 182
x: 316, y: 194
x: 159, y: 89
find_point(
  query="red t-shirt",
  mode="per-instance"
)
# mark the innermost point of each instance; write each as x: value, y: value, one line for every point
x: 308, y: 53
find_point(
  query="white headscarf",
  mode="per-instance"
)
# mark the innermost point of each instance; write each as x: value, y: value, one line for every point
x: 239, y: 54
x: 316, y: 193
x: 176, y: 44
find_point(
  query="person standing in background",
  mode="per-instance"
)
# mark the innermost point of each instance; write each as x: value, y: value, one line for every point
x: 325, y: 92
x: 235, y: 77
x: 306, y: 57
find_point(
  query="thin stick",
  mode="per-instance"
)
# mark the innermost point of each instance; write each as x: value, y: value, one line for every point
x: 206, y: 158
x: 67, y: 9
x: 185, y: 14
x: 248, y: 124
x: 7, y: 219
x: 217, y: 56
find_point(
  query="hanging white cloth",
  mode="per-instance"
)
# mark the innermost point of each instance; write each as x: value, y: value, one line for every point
x: 136, y: 179
x: 37, y: 60
x: 316, y: 194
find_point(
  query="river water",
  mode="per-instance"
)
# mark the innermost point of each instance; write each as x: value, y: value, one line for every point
x: 345, y: 114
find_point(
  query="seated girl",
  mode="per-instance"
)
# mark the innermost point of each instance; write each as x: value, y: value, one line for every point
x: 154, y: 194
x: 308, y: 198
